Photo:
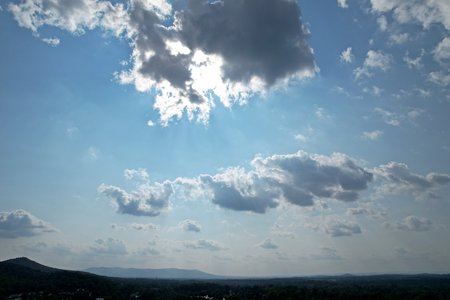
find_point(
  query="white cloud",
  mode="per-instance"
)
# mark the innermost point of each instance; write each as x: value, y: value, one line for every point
x: 143, y: 227
x: 439, y: 78
x: 149, y: 199
x: 300, y: 137
x: 190, y: 225
x: 395, y: 118
x: 414, y: 62
x: 150, y: 123
x: 425, y: 12
x: 149, y: 250
x: 442, y: 51
x: 72, y: 131
x: 297, y: 178
x: 375, y: 90
x: 73, y: 16
x: 368, y: 209
x: 342, y: 3
x: 140, y: 174
x: 338, y: 227
x: 51, y: 41
x: 372, y: 135
x: 93, y: 153
x: 382, y: 23
x: 20, y: 223
x: 109, y: 246
x: 389, y: 117
x: 204, y: 245
x: 346, y: 55
x: 375, y: 60
x: 398, y: 37
x: 321, y: 113
x: 300, y: 179
x: 411, y: 223
x: 268, y: 244
x: 398, y: 178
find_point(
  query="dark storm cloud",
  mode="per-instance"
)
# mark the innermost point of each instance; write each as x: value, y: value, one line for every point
x: 263, y: 38
x: 251, y: 44
x: 150, y: 37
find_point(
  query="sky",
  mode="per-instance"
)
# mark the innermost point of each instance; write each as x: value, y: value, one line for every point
x: 245, y: 137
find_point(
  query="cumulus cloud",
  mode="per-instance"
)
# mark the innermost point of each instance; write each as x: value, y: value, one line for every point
x: 338, y: 228
x: 204, y: 245
x: 242, y: 47
x: 346, y: 55
x: 236, y: 189
x: 190, y: 225
x: 442, y: 51
x: 109, y: 246
x: 375, y: 60
x: 149, y: 199
x: 20, y: 223
x: 411, y: 223
x: 301, y: 179
x: 51, y: 41
x: 297, y: 178
x: 342, y: 3
x: 268, y: 244
x: 398, y: 178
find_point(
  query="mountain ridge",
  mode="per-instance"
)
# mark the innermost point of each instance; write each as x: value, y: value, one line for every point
x: 160, y: 273
x: 30, y: 264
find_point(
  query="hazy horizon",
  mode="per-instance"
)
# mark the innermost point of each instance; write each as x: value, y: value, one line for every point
x: 243, y: 138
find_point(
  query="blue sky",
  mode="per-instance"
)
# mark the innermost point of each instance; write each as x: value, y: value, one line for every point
x: 269, y: 138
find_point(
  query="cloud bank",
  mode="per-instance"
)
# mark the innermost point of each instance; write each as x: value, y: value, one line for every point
x: 299, y: 179
x: 241, y: 47
x: 20, y: 223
